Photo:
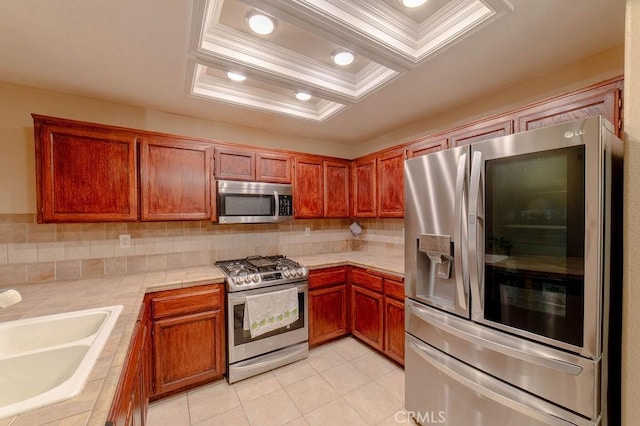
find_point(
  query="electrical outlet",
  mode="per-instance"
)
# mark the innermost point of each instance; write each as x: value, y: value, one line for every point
x: 125, y: 240
x: 307, y: 231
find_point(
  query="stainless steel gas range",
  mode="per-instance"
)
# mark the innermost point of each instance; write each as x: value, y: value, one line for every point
x: 268, y: 280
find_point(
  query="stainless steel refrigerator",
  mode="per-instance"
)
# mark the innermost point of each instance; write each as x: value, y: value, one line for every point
x: 513, y: 279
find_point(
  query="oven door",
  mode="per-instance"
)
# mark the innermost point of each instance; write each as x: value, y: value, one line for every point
x: 242, y: 346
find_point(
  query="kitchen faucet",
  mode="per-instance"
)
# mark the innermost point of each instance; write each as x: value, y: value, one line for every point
x: 8, y: 297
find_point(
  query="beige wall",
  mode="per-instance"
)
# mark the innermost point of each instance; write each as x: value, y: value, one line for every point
x: 17, y: 164
x: 602, y: 66
x: 631, y: 298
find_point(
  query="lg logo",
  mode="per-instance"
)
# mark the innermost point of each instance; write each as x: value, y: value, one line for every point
x: 570, y: 134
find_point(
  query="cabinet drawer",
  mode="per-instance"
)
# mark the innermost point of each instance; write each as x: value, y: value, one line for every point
x: 394, y: 289
x: 186, y: 301
x: 327, y: 276
x: 364, y: 279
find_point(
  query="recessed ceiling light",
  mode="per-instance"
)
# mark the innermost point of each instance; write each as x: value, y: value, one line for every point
x: 260, y: 23
x: 302, y: 96
x: 342, y: 57
x: 413, y: 3
x: 236, y: 76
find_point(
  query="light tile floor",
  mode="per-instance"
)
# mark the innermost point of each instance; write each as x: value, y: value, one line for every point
x: 341, y: 383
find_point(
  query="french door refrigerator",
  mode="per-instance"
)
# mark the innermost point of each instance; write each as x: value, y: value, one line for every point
x: 513, y: 279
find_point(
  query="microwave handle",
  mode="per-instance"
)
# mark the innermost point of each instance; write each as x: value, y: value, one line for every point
x: 276, y: 197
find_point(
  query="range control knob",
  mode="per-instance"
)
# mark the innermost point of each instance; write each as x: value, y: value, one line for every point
x: 255, y: 278
x: 286, y: 273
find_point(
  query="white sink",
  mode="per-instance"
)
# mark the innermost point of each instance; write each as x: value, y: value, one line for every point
x: 47, y: 359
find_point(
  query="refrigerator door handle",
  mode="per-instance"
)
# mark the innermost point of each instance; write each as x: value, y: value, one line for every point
x: 476, y: 250
x: 513, y: 352
x: 459, y: 234
x: 500, y: 394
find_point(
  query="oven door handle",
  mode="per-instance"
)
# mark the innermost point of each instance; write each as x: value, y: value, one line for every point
x: 241, y: 296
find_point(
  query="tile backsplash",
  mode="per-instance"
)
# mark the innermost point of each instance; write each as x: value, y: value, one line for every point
x: 31, y: 252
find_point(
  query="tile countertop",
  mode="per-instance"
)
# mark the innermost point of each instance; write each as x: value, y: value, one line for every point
x: 92, y: 405
x: 393, y: 265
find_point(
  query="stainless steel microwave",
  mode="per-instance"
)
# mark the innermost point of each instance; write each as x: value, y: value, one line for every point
x: 254, y: 202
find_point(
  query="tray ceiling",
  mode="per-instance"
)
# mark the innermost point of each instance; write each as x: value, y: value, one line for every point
x: 168, y: 56
x: 386, y: 38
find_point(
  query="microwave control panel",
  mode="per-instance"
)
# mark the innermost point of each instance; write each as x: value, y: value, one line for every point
x: 286, y: 205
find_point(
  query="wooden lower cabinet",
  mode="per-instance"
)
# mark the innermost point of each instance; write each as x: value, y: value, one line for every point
x: 367, y: 316
x: 188, y: 337
x: 377, y: 311
x: 394, y: 319
x: 328, y: 304
x: 132, y: 394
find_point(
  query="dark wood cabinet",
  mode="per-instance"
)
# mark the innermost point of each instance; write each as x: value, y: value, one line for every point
x: 394, y: 319
x: 238, y: 163
x: 391, y: 184
x: 367, y: 316
x: 273, y: 167
x: 480, y: 131
x: 188, y: 337
x: 309, y: 188
x: 605, y: 100
x: 175, y: 179
x: 84, y: 172
x: 364, y: 187
x: 336, y: 188
x: 367, y: 307
x: 377, y: 311
x: 235, y: 163
x: 131, y: 400
x: 328, y: 304
x: 427, y: 146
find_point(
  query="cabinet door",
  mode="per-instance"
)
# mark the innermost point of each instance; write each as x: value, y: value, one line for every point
x: 309, y: 188
x: 603, y: 100
x: 487, y: 129
x: 131, y: 399
x: 367, y: 316
x: 394, y: 329
x: 271, y: 167
x: 235, y: 163
x: 84, y: 173
x: 391, y: 184
x: 188, y: 350
x: 327, y: 314
x: 427, y: 146
x: 364, y: 187
x: 336, y: 188
x: 175, y: 179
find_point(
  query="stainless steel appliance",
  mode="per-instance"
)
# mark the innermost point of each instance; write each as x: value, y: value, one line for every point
x: 513, y: 279
x: 254, y: 202
x: 249, y: 356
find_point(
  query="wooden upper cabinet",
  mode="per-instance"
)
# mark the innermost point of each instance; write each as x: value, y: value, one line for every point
x: 364, y: 187
x: 602, y: 100
x: 480, y: 131
x: 175, y: 179
x: 84, y: 172
x: 427, y: 146
x: 309, y: 188
x: 273, y: 167
x: 235, y: 163
x: 336, y: 188
x: 391, y: 184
